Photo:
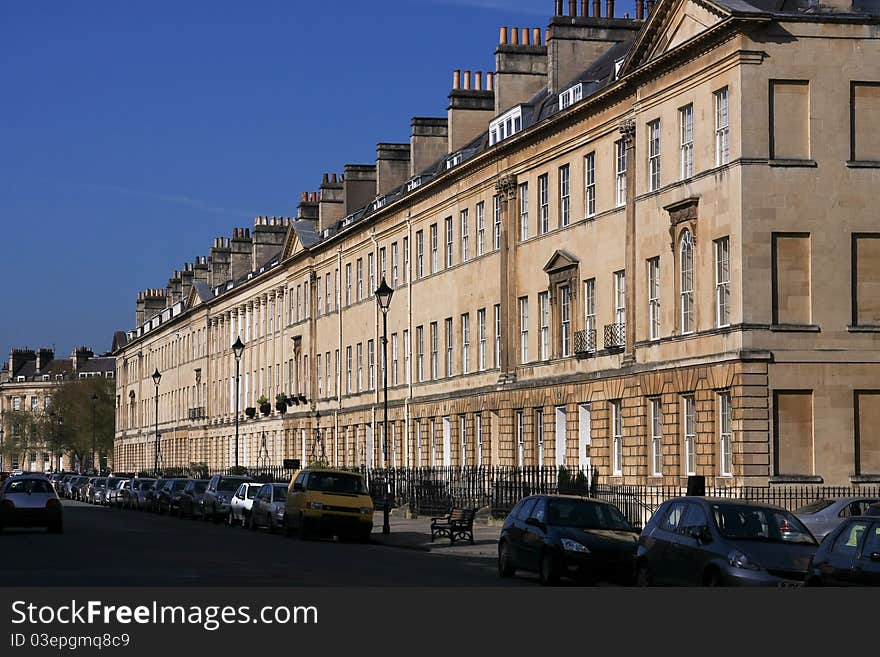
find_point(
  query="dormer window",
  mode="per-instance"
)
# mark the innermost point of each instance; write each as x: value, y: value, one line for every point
x: 505, y: 125
x: 416, y: 182
x: 380, y: 202
x: 618, y: 63
x: 454, y: 160
x: 571, y: 96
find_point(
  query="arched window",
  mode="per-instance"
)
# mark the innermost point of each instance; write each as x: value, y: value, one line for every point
x: 686, y: 283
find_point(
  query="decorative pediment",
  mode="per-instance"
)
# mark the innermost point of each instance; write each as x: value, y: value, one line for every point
x: 683, y: 216
x: 292, y: 244
x: 672, y: 23
x: 561, y: 260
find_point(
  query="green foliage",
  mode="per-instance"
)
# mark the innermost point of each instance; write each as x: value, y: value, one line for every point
x: 237, y: 470
x: 262, y: 400
x: 72, y: 402
x: 280, y: 399
x: 319, y: 464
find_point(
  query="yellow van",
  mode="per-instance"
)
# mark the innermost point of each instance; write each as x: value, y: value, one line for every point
x: 329, y: 503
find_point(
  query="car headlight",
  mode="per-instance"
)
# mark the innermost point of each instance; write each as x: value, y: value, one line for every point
x: 317, y: 506
x: 366, y: 510
x: 739, y: 560
x: 573, y: 546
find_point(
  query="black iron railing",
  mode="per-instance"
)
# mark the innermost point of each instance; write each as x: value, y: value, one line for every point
x: 197, y: 413
x: 585, y: 341
x: 615, y: 336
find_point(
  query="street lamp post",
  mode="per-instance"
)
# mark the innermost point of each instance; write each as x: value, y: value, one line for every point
x: 1, y: 448
x: 383, y: 298
x: 237, y: 350
x: 94, y: 441
x: 157, y: 376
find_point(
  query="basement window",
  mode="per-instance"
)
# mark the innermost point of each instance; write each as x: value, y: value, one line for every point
x: 571, y: 96
x: 505, y: 125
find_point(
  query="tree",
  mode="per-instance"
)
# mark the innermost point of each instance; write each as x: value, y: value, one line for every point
x: 24, y: 432
x: 72, y: 402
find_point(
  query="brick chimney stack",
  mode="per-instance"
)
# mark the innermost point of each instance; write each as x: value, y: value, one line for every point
x: 269, y: 236
x: 241, y: 255
x: 220, y: 262
x: 358, y: 186
x: 428, y: 142
x: 201, y: 271
x: 392, y: 166
x: 186, y: 280
x: 44, y: 357
x: 520, y: 68
x: 331, y: 203
x: 471, y: 108
x: 173, y: 290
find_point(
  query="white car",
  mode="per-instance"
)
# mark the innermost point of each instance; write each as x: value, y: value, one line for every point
x: 30, y: 501
x: 242, y: 503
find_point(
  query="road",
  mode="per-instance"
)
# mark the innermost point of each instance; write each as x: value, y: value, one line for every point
x: 109, y: 547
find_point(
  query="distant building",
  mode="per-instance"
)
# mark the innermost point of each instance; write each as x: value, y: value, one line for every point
x: 27, y: 381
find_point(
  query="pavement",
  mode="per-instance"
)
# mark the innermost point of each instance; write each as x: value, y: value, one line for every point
x: 415, y: 534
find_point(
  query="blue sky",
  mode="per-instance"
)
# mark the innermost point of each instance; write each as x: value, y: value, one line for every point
x: 133, y: 133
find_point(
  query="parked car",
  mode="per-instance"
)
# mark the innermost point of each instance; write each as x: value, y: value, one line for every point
x: 151, y: 495
x: 62, y: 488
x: 695, y: 541
x: 563, y: 536
x: 329, y: 503
x: 168, y: 497
x: 136, y: 497
x: 218, y: 495
x: 241, y: 504
x: 98, y: 491
x: 268, y: 507
x: 110, y: 484
x: 873, y: 510
x: 82, y: 488
x: 29, y: 501
x: 189, y: 505
x: 850, y: 556
x: 823, y: 516
x: 115, y: 495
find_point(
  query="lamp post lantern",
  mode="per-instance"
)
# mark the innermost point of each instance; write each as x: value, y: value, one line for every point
x: 237, y: 350
x: 383, y: 299
x: 156, y: 378
x: 94, y: 433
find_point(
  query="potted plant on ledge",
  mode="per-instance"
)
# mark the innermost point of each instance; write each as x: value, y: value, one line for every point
x: 281, y: 403
x: 265, y: 406
x: 250, y: 411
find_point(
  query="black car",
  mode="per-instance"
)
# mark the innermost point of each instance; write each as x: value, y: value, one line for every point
x: 151, y: 495
x: 168, y: 497
x: 189, y: 505
x: 694, y: 541
x: 562, y: 536
x: 218, y: 495
x: 849, y: 555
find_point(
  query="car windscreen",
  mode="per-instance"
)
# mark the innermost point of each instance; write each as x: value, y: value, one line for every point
x: 229, y: 485
x: 814, y: 507
x: 584, y: 514
x: 29, y: 486
x: 754, y: 523
x: 280, y: 493
x: 180, y: 484
x: 337, y: 482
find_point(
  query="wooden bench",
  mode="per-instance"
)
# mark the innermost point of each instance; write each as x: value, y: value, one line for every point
x: 458, y: 523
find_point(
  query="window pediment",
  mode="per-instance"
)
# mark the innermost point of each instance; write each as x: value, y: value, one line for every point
x: 560, y: 261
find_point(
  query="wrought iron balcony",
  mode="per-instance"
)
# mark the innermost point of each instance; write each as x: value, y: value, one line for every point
x: 615, y: 336
x: 197, y: 413
x: 584, y: 342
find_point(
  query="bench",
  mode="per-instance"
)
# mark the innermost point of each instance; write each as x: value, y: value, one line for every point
x: 458, y: 523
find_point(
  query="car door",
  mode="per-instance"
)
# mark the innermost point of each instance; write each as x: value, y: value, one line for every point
x: 691, y: 552
x: 262, y: 504
x: 236, y: 506
x: 518, y: 552
x: 296, y: 497
x: 664, y: 554
x: 838, y: 569
x: 867, y: 570
x: 534, y: 534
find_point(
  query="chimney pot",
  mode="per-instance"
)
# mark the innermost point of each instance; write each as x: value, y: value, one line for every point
x: 490, y: 81
x: 597, y: 13
x: 558, y: 7
x: 536, y: 36
x: 502, y: 36
x: 640, y: 9
x: 609, y: 8
x: 650, y: 6
x: 547, y: 35
x: 456, y: 79
x: 467, y: 80
x: 333, y: 179
x: 514, y: 36
x: 326, y: 179
x: 524, y: 38
x: 478, y: 80
x: 572, y: 7
x: 583, y: 7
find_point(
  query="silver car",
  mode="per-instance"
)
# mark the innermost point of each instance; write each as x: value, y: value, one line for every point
x: 30, y: 501
x: 823, y: 516
x: 242, y: 503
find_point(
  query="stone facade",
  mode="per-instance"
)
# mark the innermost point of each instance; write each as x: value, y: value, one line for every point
x: 641, y: 277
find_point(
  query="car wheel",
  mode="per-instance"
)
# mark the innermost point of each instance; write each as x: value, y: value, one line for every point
x: 712, y: 578
x: 505, y: 563
x: 548, y: 576
x: 643, y: 575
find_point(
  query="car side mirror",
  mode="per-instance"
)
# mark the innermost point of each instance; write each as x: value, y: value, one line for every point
x: 875, y: 556
x: 534, y: 522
